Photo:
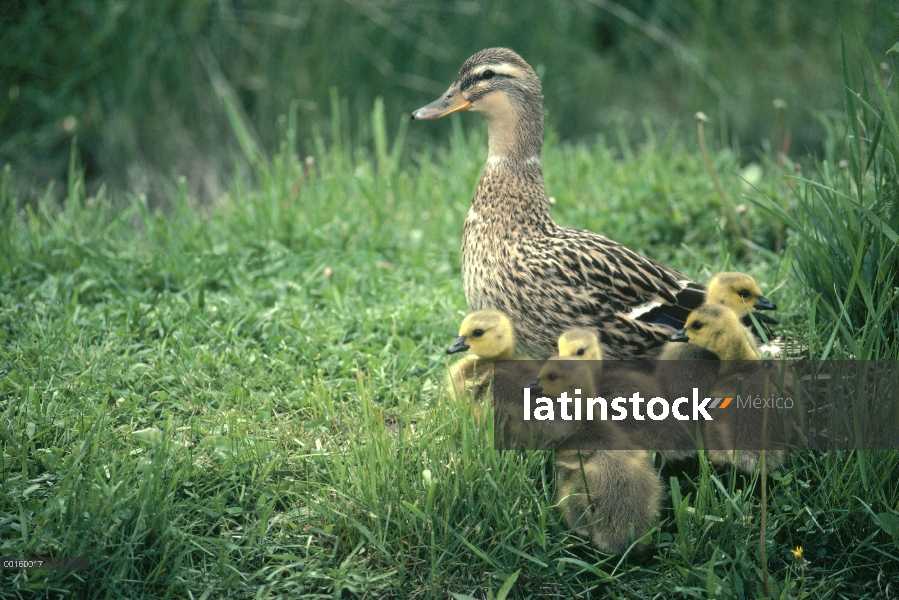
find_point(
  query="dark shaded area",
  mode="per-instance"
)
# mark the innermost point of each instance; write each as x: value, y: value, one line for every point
x: 141, y: 84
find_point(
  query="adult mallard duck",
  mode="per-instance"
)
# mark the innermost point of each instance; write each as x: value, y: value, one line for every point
x: 548, y: 278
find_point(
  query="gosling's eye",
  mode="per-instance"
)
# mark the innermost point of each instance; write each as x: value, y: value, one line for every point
x: 477, y: 333
x: 696, y: 326
x: 488, y: 74
x: 744, y: 293
x: 552, y: 376
x: 580, y: 351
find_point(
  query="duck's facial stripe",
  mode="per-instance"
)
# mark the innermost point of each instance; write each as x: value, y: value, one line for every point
x: 498, y: 69
x: 475, y: 80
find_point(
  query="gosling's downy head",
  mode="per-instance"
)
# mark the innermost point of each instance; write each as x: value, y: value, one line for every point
x: 739, y: 292
x: 488, y: 334
x: 718, y: 329
x: 563, y: 374
x: 580, y: 343
x: 500, y: 85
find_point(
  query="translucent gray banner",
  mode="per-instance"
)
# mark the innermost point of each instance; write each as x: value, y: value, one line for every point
x: 677, y: 407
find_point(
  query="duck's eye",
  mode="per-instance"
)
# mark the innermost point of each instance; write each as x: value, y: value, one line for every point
x: 744, y: 293
x: 696, y: 326
x: 580, y: 351
x: 552, y: 376
x: 477, y: 333
x: 488, y: 74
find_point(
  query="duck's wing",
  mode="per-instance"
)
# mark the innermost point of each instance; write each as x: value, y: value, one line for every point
x: 623, y: 282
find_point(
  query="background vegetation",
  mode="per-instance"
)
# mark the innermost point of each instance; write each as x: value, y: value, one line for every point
x: 241, y: 397
x: 141, y: 84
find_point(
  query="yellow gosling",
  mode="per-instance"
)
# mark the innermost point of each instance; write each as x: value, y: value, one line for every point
x: 488, y: 336
x: 740, y: 293
x: 735, y: 435
x: 671, y: 439
x: 580, y: 343
x: 611, y: 489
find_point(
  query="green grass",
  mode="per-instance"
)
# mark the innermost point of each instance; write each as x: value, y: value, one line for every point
x: 243, y: 399
x: 844, y: 227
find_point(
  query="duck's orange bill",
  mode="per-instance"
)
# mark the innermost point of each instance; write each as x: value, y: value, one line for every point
x: 452, y: 101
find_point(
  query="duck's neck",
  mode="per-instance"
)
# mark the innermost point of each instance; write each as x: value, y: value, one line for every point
x: 515, y: 130
x: 511, y: 185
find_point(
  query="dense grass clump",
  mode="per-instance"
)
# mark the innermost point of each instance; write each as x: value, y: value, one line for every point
x: 844, y: 226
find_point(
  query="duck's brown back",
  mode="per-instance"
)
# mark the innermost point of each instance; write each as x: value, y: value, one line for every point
x: 549, y: 279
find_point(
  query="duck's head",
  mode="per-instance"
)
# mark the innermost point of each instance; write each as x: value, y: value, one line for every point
x: 739, y: 292
x: 488, y: 334
x: 718, y: 329
x: 500, y: 85
x: 580, y: 343
x: 562, y: 374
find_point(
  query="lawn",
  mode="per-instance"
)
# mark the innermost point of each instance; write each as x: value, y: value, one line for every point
x: 245, y: 399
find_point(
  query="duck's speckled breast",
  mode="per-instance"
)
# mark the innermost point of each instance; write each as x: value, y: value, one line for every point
x: 549, y: 279
x: 508, y: 213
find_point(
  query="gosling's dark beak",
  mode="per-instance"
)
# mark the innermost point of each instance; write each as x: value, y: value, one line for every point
x: 764, y: 304
x: 535, y: 387
x: 449, y: 102
x: 458, y: 346
x: 680, y: 336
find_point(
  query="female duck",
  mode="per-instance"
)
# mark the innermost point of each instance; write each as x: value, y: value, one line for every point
x: 547, y: 278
